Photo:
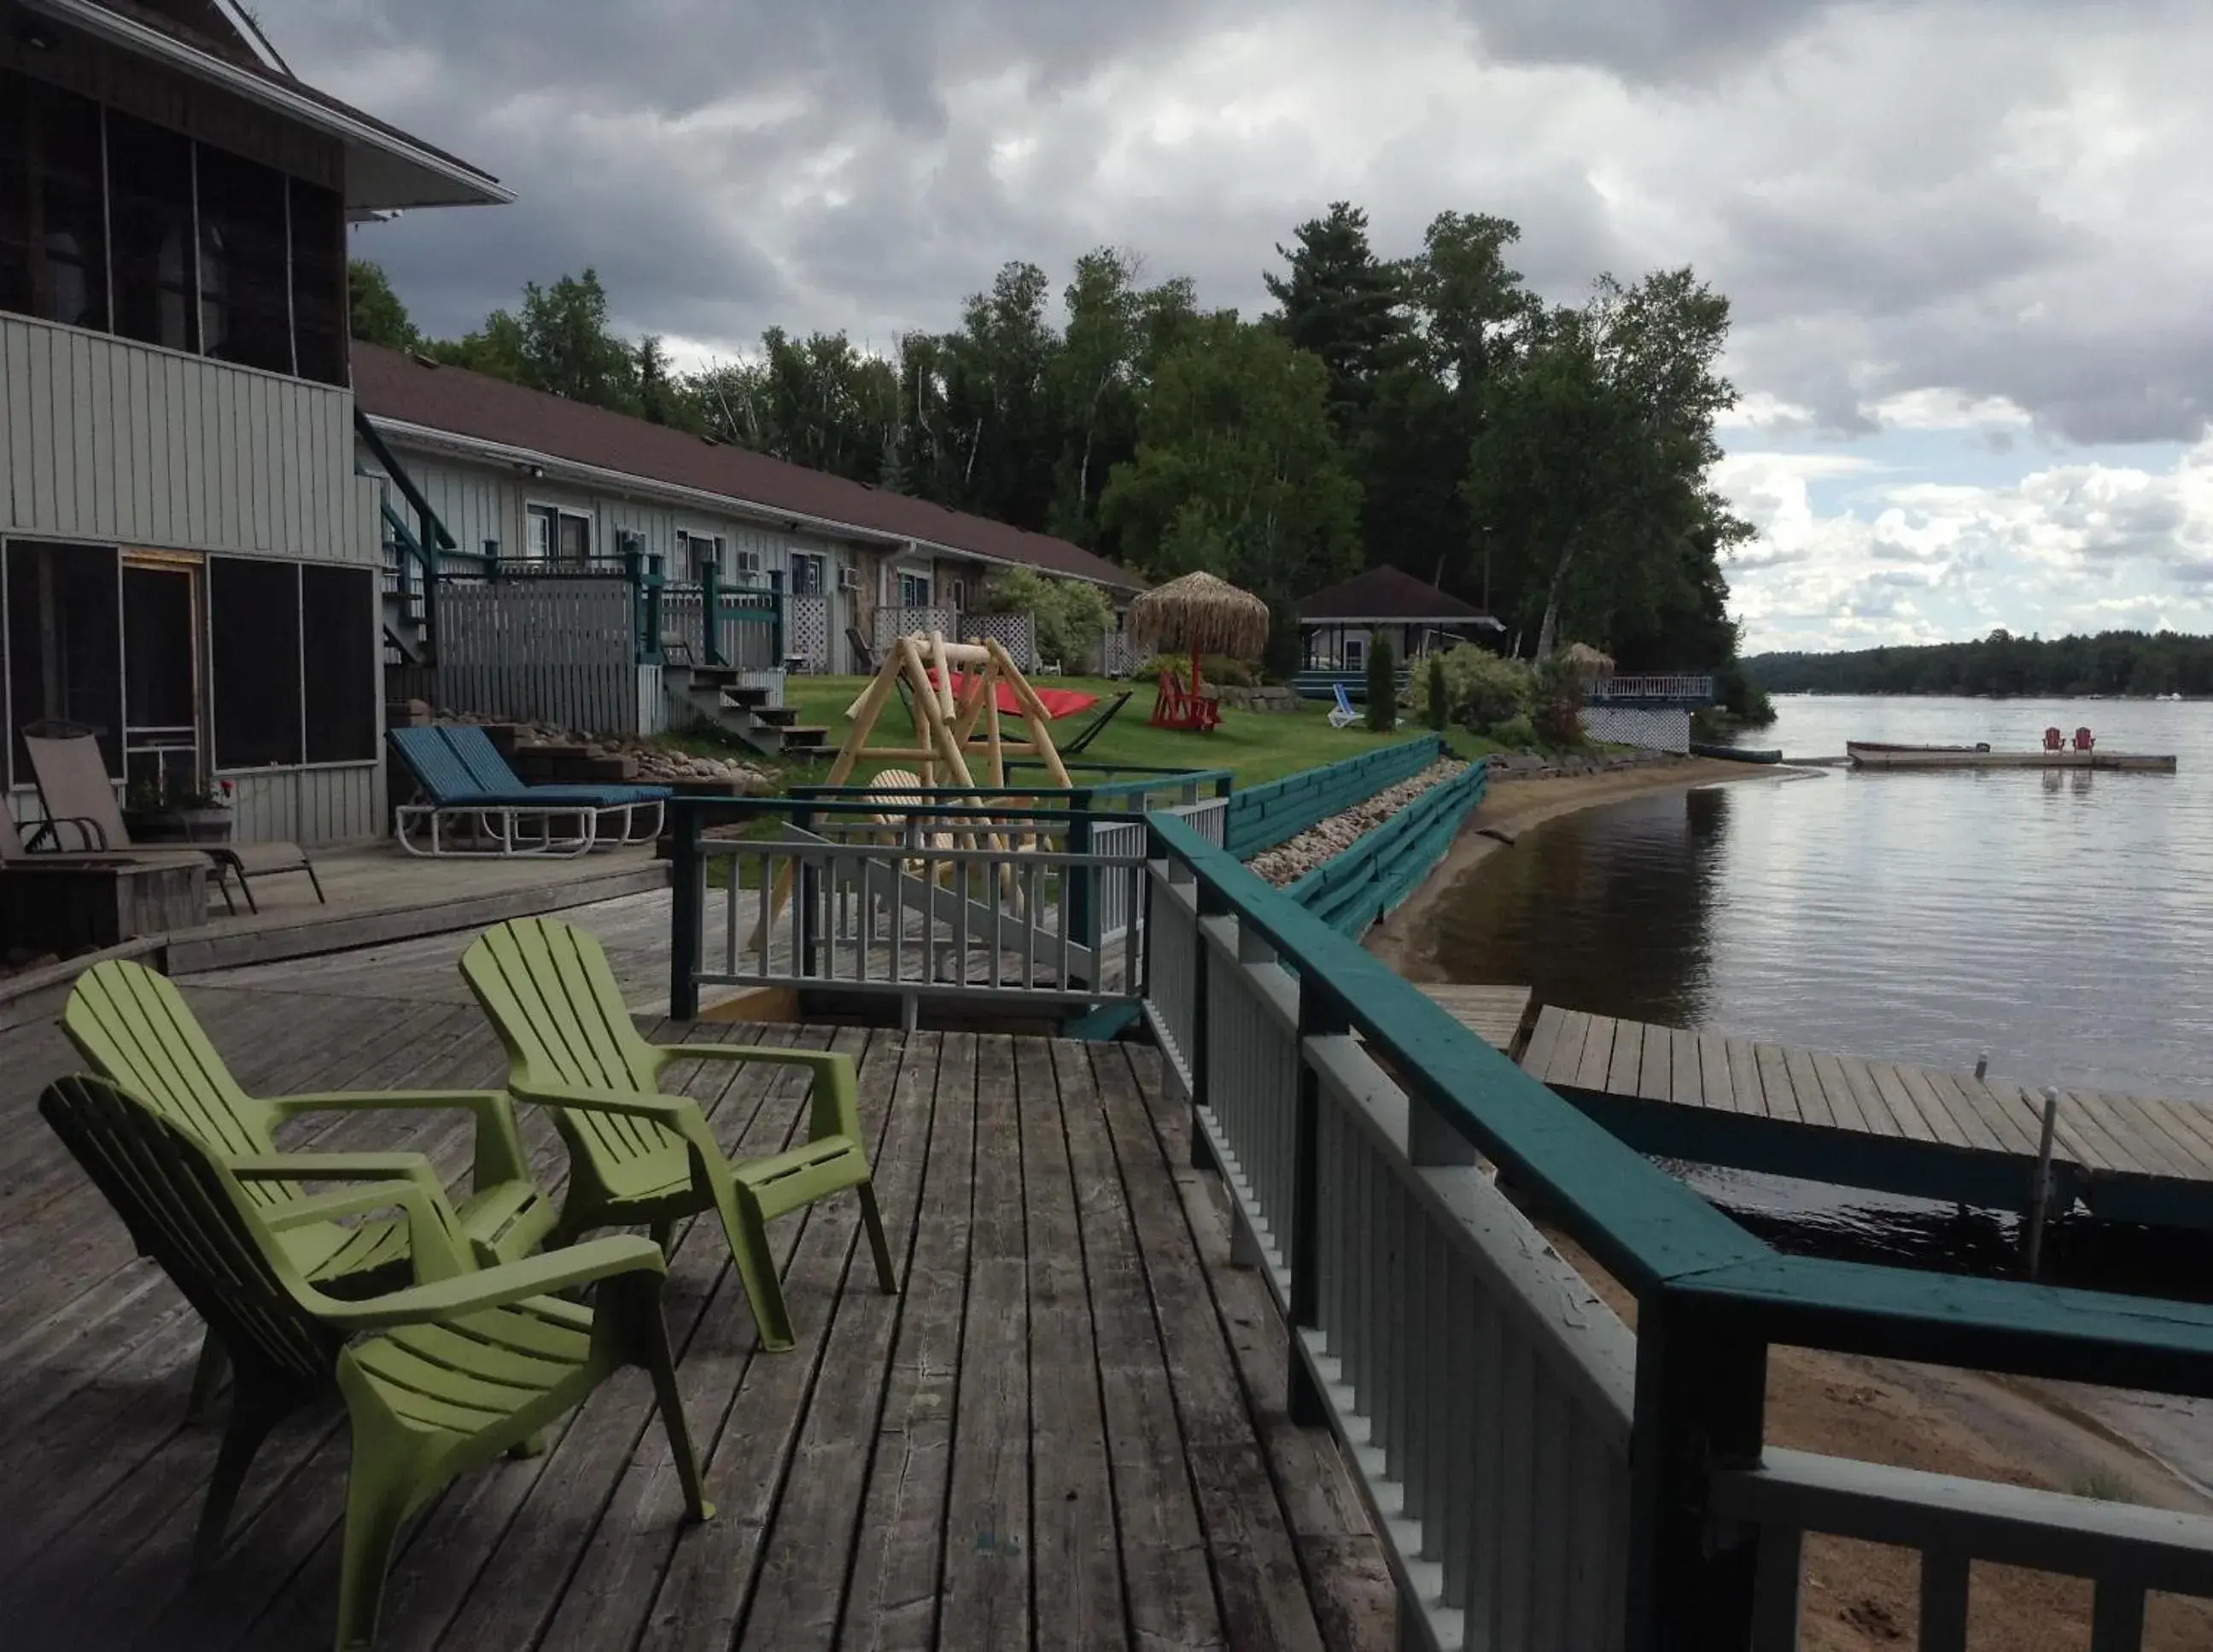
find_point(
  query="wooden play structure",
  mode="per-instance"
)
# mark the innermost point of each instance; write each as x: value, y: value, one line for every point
x: 960, y: 743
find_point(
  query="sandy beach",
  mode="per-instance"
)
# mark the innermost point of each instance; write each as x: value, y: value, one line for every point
x: 2103, y: 1443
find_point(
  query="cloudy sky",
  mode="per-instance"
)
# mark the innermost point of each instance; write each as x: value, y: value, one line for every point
x: 1968, y: 244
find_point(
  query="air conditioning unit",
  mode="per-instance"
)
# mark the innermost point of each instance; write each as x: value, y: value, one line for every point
x: 749, y: 564
x: 849, y: 579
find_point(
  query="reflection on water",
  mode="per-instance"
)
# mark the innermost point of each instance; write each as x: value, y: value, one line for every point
x: 2059, y: 920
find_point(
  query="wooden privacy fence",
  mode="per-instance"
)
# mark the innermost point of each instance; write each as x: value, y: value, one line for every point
x: 549, y: 649
x: 1260, y: 817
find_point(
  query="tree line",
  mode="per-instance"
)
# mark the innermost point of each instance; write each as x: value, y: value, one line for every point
x: 1430, y: 410
x: 2118, y: 663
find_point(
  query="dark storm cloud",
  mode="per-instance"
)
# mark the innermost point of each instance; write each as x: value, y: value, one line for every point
x: 1643, y: 40
x: 1863, y: 180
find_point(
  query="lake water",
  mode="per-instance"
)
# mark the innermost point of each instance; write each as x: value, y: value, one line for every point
x: 2061, y: 920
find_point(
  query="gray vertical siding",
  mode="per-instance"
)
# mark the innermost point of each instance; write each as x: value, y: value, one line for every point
x: 104, y: 439
x: 328, y: 805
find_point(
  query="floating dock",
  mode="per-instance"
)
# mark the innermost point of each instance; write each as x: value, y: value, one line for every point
x: 1708, y: 1098
x: 1496, y: 1015
x: 1864, y: 755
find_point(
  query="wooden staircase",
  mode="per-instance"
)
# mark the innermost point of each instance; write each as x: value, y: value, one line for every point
x: 720, y: 699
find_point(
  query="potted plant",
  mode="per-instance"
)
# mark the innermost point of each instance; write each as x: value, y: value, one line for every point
x: 173, y: 811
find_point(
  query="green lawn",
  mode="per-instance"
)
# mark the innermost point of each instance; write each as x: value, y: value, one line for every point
x: 1254, y: 745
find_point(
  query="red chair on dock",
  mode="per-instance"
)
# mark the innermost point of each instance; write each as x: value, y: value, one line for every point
x: 2054, y: 740
x: 2084, y: 740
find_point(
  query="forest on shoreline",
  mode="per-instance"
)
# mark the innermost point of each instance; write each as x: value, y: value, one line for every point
x: 2133, y: 664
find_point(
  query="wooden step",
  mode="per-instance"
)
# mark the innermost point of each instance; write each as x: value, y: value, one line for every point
x: 777, y: 716
x: 806, y: 740
x: 750, y: 697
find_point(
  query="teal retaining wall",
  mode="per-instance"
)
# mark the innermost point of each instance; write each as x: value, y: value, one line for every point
x: 1260, y: 817
x: 1354, y: 888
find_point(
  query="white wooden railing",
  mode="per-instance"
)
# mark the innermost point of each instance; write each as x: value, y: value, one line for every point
x: 1481, y: 1390
x: 1487, y: 1397
x: 1655, y: 685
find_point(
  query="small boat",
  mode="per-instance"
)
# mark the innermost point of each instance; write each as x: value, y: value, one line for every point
x: 1874, y: 754
x: 1737, y: 753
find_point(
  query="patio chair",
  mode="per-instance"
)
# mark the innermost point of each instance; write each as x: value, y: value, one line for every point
x: 1343, y: 715
x: 135, y: 1029
x: 636, y: 1156
x: 865, y: 662
x: 460, y: 775
x: 439, y: 1377
x: 14, y: 848
x: 74, y: 788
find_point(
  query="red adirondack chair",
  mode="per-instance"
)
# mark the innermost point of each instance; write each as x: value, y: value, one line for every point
x: 1181, y: 708
x: 2084, y: 740
x: 2053, y: 739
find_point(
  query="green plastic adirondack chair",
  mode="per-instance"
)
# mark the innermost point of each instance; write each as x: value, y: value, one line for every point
x: 135, y: 1028
x: 636, y: 1156
x: 438, y: 1378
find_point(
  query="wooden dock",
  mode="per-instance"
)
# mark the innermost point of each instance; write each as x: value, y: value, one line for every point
x: 1494, y: 1013
x: 1710, y: 1098
x: 1070, y: 1430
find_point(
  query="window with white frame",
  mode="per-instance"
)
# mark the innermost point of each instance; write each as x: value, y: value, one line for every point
x: 698, y: 553
x: 558, y: 535
x: 913, y: 589
x: 807, y: 574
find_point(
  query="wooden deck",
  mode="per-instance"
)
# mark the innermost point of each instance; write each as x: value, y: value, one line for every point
x: 1493, y: 1013
x: 1069, y: 1430
x: 1706, y: 1096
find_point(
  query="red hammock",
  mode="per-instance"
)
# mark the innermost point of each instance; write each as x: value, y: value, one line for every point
x: 1057, y: 702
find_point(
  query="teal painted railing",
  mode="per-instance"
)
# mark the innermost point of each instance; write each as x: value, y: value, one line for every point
x: 1387, y: 864
x: 1260, y: 817
x: 1541, y: 1477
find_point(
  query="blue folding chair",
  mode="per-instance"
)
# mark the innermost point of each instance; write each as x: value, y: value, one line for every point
x: 1342, y: 716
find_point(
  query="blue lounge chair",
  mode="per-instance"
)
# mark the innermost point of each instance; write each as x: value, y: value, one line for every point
x: 462, y: 777
x: 1342, y: 716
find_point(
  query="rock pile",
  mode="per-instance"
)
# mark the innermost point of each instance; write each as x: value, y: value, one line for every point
x: 1286, y: 863
x: 649, y: 762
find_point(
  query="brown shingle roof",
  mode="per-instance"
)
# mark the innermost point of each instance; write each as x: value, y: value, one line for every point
x: 391, y: 386
x: 1387, y: 593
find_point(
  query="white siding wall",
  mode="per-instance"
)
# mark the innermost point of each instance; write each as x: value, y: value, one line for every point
x: 480, y: 500
x: 311, y: 806
x: 102, y: 439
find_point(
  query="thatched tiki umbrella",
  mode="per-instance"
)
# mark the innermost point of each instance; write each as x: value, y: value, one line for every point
x: 1202, y: 613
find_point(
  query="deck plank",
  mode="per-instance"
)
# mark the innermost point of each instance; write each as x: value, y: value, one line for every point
x: 1775, y: 1083
x: 800, y: 1594
x: 1628, y: 1059
x: 1716, y: 1080
x: 986, y: 1587
x: 1170, y: 1589
x: 1747, y: 1088
x: 1656, y: 1066
x: 1074, y: 1559
x: 2189, y: 1125
x: 1972, y: 1094
x: 1543, y: 1039
x: 1597, y: 1056
x: 2145, y: 1148
x: 1258, y: 1580
x: 1684, y: 1081
x: 1805, y: 1088
x: 1844, y: 1106
x: 1956, y: 1124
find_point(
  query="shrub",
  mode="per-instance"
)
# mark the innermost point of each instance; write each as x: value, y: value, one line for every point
x: 1558, y: 711
x: 1435, y: 691
x: 1479, y: 685
x: 1382, y: 687
x: 1743, y: 698
x: 1070, y: 615
x: 1516, y: 733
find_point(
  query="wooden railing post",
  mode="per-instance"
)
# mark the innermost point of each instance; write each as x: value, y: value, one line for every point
x: 1082, y: 894
x: 1701, y: 1397
x: 687, y: 876
x: 1319, y: 1016
x: 710, y: 613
